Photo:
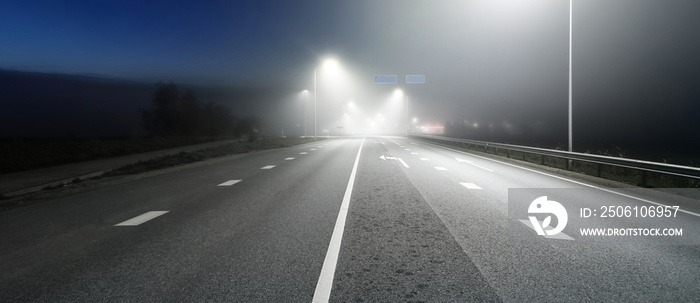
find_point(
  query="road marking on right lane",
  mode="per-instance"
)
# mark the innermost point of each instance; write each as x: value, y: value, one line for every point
x: 397, y: 143
x: 229, y: 183
x: 560, y: 235
x: 470, y: 185
x: 470, y: 162
x: 565, y: 179
x: 325, y: 279
x: 142, y: 218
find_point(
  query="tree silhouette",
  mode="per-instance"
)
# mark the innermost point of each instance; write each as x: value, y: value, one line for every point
x: 172, y: 114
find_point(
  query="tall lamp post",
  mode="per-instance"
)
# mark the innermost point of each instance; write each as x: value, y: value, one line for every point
x: 328, y: 63
x: 306, y: 100
x: 571, y: 145
x: 315, y: 103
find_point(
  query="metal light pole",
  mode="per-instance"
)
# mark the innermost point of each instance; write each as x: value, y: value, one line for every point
x: 306, y: 100
x: 406, y: 115
x: 571, y: 9
x: 315, y: 103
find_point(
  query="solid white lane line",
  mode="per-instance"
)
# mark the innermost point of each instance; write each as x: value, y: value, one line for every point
x: 229, y: 183
x: 404, y: 163
x: 268, y: 167
x: 470, y: 185
x: 325, y: 279
x: 424, y: 159
x: 470, y: 162
x: 440, y: 168
x: 290, y: 158
x: 303, y: 153
x: 142, y: 218
x: 569, y: 180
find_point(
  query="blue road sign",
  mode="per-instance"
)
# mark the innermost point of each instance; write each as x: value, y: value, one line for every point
x: 385, y: 79
x: 415, y: 79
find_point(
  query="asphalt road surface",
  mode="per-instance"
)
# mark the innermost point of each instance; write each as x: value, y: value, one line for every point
x: 360, y: 219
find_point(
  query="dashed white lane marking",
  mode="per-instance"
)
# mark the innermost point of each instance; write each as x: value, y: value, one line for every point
x: 406, y: 149
x: 424, y: 159
x: 229, y: 183
x: 440, y: 168
x: 268, y: 167
x: 303, y: 153
x: 470, y: 162
x: 414, y: 153
x: 325, y: 279
x: 142, y: 218
x: 313, y: 149
x: 404, y: 163
x: 320, y: 146
x: 470, y: 185
x: 290, y: 158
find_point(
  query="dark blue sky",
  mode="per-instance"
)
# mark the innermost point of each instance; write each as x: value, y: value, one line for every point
x: 635, y: 62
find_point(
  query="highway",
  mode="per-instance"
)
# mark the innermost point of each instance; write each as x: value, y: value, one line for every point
x: 355, y: 219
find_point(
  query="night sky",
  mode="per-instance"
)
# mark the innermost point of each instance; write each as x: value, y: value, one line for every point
x: 636, y: 71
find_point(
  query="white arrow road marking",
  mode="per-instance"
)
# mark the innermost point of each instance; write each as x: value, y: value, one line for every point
x: 560, y: 236
x: 142, y: 218
x: 290, y: 158
x: 470, y: 163
x: 470, y: 185
x: 229, y: 183
x: 440, y: 168
x: 383, y: 157
x: 268, y: 167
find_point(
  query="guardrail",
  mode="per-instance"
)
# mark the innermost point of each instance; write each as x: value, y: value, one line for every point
x: 691, y: 174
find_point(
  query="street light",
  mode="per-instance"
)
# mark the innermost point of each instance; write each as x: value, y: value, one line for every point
x: 398, y: 92
x: 332, y: 66
x: 571, y: 144
x: 306, y: 99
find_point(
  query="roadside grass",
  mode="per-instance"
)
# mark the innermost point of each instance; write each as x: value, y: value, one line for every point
x: 129, y: 171
x: 204, y: 154
x: 26, y: 154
